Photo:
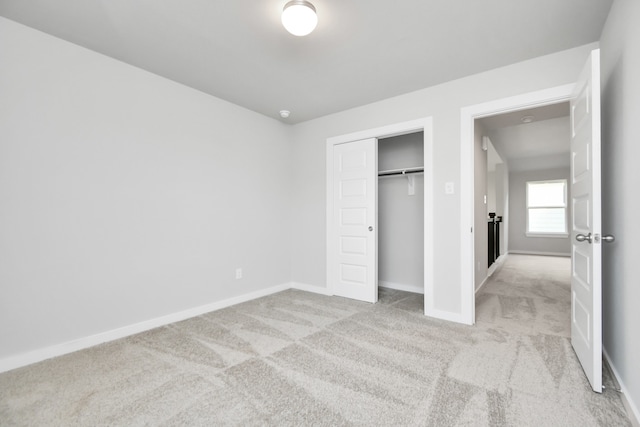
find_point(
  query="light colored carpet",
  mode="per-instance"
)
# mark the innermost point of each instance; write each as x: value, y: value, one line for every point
x: 296, y: 358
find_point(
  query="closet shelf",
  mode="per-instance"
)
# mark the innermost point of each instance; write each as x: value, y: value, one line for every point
x: 404, y: 171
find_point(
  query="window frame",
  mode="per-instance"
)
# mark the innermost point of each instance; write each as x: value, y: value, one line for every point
x: 564, y: 234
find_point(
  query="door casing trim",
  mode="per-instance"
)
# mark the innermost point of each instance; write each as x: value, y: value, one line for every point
x: 425, y: 125
x: 468, y: 115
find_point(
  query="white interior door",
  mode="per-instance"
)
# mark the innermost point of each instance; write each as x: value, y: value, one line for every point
x: 354, y: 214
x: 586, y: 260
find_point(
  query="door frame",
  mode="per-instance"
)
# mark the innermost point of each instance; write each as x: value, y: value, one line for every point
x: 424, y: 125
x: 468, y: 115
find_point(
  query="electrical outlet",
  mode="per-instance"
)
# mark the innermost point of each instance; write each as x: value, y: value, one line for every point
x: 238, y: 273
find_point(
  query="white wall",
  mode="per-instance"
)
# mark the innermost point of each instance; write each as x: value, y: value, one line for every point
x: 620, y: 56
x: 502, y: 204
x: 401, y: 216
x: 481, y: 234
x: 518, y: 241
x: 443, y: 102
x: 126, y: 196
x: 491, y: 191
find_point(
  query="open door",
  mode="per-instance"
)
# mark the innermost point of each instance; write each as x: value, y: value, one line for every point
x: 586, y: 259
x: 353, y: 268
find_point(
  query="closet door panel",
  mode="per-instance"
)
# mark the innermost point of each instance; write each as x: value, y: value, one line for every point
x: 355, y: 187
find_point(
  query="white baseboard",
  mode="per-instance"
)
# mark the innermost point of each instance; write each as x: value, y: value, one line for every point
x: 28, y: 358
x: 311, y: 288
x: 401, y: 287
x: 492, y: 269
x: 484, y: 282
x: 497, y: 264
x: 630, y: 405
x: 446, y: 315
x: 517, y: 252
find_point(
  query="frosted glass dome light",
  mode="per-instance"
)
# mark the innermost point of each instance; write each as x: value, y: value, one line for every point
x: 299, y: 17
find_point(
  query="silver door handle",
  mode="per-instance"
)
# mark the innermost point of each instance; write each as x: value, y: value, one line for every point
x: 582, y: 237
x: 610, y: 238
x: 370, y: 228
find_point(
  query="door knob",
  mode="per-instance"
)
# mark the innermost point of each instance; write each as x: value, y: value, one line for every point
x: 610, y: 238
x: 582, y: 237
x: 370, y: 228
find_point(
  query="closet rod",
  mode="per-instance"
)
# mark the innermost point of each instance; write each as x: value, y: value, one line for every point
x: 405, y: 171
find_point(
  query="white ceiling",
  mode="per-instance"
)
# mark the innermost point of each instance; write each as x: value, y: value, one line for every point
x: 539, y: 145
x: 514, y: 118
x: 362, y: 50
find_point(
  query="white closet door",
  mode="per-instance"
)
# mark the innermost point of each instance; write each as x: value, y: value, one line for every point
x: 354, y: 239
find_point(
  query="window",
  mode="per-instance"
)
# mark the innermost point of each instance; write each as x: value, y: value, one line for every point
x: 547, y: 208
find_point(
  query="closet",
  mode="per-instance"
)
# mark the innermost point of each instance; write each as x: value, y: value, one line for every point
x: 401, y: 212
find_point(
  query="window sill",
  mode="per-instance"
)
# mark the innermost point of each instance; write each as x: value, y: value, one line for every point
x: 548, y: 235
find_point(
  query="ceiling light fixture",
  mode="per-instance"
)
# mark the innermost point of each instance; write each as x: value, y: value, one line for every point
x: 299, y: 17
x: 527, y: 119
x: 284, y: 113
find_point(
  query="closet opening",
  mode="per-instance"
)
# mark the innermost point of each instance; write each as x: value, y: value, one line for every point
x: 402, y: 249
x: 401, y: 212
